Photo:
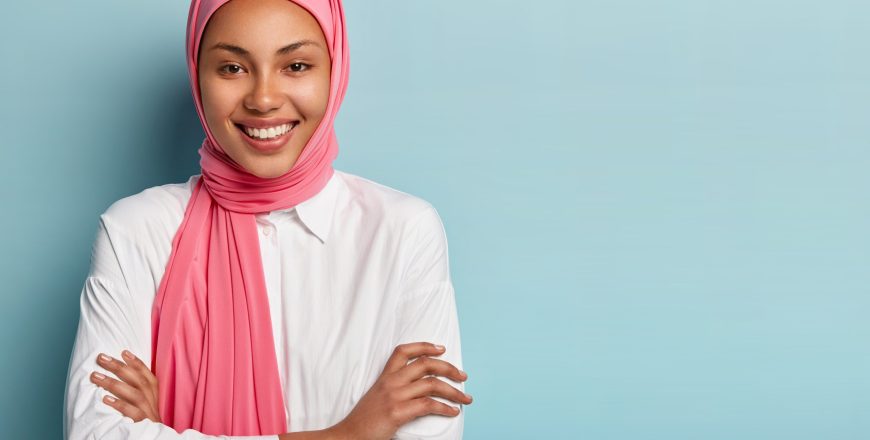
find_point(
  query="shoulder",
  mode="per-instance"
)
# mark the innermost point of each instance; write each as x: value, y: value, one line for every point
x: 135, y: 233
x: 155, y: 210
x: 410, y: 219
x: 377, y: 201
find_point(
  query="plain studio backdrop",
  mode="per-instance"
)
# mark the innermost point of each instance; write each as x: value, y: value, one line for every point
x: 657, y: 211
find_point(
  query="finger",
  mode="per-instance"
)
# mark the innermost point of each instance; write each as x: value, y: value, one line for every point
x: 424, y: 405
x: 122, y: 371
x: 130, y: 399
x: 425, y: 365
x: 124, y: 408
x: 405, y: 352
x: 137, y: 365
x: 432, y: 386
x: 120, y: 389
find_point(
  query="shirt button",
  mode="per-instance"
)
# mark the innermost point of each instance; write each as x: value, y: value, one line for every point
x: 267, y: 230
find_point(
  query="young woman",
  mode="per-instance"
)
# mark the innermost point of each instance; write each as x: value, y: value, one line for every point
x: 270, y: 296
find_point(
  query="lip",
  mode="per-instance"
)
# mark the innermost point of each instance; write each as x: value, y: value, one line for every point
x: 271, y: 145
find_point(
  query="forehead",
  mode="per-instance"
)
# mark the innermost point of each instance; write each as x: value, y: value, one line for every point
x: 262, y: 24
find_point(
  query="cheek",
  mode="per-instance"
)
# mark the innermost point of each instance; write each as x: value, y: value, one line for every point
x: 312, y: 98
x: 218, y: 102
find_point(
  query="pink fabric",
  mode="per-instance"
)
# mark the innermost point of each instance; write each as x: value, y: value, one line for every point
x: 213, y: 350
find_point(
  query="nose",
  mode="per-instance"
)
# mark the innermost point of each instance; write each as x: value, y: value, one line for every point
x: 265, y: 94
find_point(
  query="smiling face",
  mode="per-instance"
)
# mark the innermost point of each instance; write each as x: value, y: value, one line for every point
x: 264, y: 65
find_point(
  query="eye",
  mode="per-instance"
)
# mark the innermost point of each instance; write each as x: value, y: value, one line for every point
x: 299, y: 67
x: 235, y: 68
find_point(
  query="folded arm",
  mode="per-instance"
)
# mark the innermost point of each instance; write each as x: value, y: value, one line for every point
x: 110, y: 322
x: 427, y: 312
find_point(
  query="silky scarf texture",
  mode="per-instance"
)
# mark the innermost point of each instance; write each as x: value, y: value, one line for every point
x: 212, y: 350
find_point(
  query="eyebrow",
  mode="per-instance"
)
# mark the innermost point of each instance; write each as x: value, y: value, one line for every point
x: 282, y: 51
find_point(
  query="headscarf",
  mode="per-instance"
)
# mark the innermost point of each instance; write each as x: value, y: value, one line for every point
x: 212, y: 347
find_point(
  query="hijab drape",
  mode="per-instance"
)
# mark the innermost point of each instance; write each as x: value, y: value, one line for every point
x: 212, y: 348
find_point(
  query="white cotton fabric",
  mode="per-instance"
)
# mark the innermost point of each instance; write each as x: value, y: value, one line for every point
x: 350, y: 273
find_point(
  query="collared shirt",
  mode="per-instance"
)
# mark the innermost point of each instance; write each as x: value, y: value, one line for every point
x: 350, y: 273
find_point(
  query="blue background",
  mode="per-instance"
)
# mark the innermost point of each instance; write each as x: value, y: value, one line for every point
x: 657, y: 211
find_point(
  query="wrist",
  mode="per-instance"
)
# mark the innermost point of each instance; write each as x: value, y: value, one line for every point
x: 336, y: 432
x: 332, y: 433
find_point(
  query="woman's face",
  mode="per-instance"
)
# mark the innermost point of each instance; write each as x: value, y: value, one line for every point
x: 263, y: 64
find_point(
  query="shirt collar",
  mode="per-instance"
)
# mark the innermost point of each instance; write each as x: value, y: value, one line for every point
x: 317, y: 211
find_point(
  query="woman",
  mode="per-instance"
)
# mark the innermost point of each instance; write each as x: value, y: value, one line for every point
x: 271, y: 296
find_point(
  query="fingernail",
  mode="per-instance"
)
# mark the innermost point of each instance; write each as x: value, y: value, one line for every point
x: 463, y: 373
x: 469, y: 396
x: 127, y: 355
x: 109, y: 399
x: 105, y: 358
x: 439, y: 347
x: 99, y: 376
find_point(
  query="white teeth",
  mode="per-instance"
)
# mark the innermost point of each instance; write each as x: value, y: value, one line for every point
x: 268, y: 133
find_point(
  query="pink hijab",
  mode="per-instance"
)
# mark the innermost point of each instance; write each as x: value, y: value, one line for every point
x: 212, y: 346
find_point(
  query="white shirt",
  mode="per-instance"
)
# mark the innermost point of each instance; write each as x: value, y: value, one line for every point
x: 350, y: 273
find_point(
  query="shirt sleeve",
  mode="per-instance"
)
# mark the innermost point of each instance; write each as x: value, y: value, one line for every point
x: 109, y: 323
x: 427, y: 312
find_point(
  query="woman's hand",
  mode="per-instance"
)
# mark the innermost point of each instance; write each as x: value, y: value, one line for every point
x: 400, y: 394
x: 136, y: 392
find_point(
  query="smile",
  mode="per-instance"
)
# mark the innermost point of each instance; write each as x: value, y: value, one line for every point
x: 267, y: 133
x: 268, y: 139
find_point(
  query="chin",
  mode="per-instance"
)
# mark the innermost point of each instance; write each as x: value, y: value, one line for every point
x: 264, y: 166
x: 267, y: 170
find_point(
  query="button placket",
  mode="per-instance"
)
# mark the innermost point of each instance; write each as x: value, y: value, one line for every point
x: 266, y: 226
